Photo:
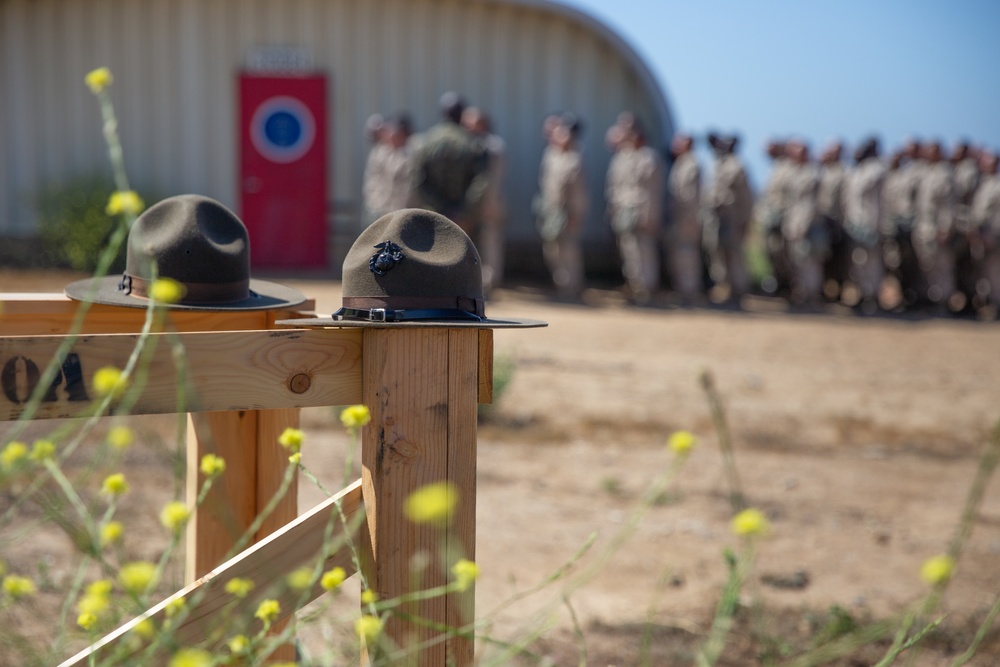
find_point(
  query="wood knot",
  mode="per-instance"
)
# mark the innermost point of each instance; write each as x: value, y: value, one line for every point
x: 300, y: 383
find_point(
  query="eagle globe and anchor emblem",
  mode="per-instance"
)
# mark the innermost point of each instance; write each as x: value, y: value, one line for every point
x: 389, y: 254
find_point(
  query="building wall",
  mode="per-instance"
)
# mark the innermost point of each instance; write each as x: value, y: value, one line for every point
x: 175, y: 65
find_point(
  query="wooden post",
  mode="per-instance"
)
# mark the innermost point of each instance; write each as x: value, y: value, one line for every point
x: 421, y: 385
x: 255, y: 469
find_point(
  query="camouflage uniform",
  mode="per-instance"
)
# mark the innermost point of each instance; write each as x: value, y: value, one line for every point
x: 862, y: 224
x: 769, y: 213
x: 684, y: 238
x: 386, y: 185
x: 899, y: 207
x: 899, y: 200
x: 933, y: 230
x: 493, y: 213
x: 449, y: 173
x: 635, y: 206
x: 966, y: 180
x: 986, y: 216
x: 731, y: 202
x: 560, y: 209
x: 966, y: 245
x: 805, y: 247
x: 829, y: 208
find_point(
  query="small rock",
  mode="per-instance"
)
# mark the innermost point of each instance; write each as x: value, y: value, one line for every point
x: 795, y: 581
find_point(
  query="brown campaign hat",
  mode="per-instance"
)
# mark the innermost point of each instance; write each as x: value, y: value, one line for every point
x: 199, y: 243
x: 412, y: 268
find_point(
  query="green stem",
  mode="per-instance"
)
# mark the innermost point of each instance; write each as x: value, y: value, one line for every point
x: 736, y: 497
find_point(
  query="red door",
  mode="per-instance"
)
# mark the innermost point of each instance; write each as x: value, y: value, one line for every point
x: 283, y: 169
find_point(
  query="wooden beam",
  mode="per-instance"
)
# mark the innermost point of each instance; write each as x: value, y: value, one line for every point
x: 272, y: 460
x: 486, y: 366
x: 231, y: 505
x: 465, y: 356
x: 38, y: 314
x: 421, y: 388
x: 211, y: 609
x: 230, y: 370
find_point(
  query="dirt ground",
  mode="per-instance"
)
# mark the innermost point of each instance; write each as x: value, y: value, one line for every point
x: 858, y: 437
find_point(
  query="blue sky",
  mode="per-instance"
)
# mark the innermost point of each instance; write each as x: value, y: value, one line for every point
x: 819, y: 70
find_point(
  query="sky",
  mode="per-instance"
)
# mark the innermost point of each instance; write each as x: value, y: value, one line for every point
x: 817, y: 70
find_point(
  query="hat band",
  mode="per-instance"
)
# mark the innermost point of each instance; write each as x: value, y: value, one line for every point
x: 468, y: 304
x: 194, y: 293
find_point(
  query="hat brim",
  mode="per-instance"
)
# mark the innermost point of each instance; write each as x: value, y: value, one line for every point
x: 265, y: 295
x: 487, y: 323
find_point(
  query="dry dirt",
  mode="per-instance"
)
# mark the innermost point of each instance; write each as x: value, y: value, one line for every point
x: 859, y: 438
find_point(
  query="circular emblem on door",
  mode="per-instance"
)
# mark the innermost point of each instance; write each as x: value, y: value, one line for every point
x: 282, y: 129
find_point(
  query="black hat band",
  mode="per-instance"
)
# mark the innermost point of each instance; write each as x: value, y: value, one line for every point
x: 468, y: 304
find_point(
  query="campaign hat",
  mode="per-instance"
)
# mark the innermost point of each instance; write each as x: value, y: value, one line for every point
x: 197, y: 242
x: 412, y: 268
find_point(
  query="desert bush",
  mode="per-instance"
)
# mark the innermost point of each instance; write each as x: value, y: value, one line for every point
x: 74, y: 224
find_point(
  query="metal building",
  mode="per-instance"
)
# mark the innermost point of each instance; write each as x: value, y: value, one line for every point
x: 177, y: 66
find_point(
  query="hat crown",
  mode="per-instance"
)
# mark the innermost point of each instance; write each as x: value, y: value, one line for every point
x: 192, y: 239
x: 416, y: 259
x: 199, y: 243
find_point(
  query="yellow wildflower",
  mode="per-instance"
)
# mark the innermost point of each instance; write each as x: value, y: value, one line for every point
x: 166, y: 290
x: 120, y: 437
x: 175, y: 607
x: 127, y: 202
x: 368, y: 596
x: 355, y: 416
x: 433, y: 503
x: 13, y: 454
x: 238, y: 644
x: 268, y: 611
x: 111, y: 532
x: 42, y: 450
x: 291, y: 439
x: 368, y: 628
x: 331, y: 579
x: 97, y: 599
x: 191, y: 657
x: 101, y: 587
x: 465, y: 572
x: 86, y: 620
x: 174, y: 515
x: 937, y: 569
x: 295, y: 458
x: 145, y: 628
x: 98, y: 79
x: 212, y: 465
x: 750, y: 522
x: 239, y: 587
x: 681, y: 442
x: 300, y: 579
x: 138, y: 576
x: 93, y: 604
x: 115, y: 484
x: 18, y: 587
x: 108, y: 380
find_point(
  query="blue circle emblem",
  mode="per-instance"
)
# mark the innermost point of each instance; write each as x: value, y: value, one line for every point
x: 282, y: 129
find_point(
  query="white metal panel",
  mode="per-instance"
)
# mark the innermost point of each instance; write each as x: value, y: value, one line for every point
x: 176, y: 64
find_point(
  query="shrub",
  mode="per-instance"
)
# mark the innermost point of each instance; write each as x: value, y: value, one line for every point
x: 73, y: 223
